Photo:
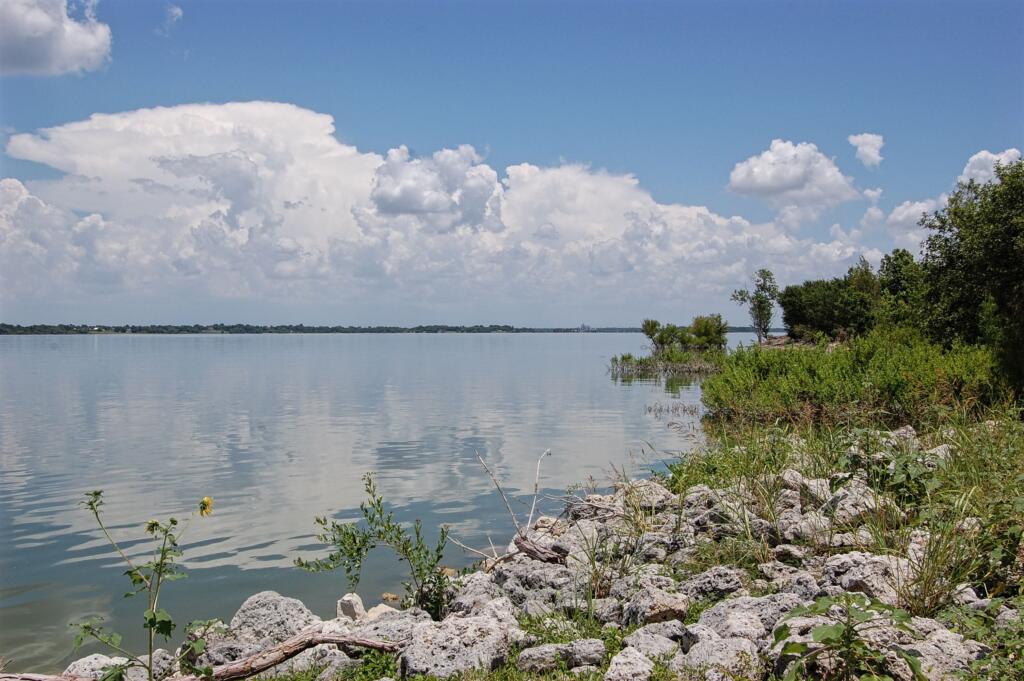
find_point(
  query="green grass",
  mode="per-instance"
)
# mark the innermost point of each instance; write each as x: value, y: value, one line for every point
x: 889, y: 376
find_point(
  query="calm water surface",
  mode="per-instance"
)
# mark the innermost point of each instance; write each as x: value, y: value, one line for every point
x: 279, y: 429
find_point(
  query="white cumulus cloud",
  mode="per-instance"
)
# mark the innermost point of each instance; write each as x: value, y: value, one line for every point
x: 799, y: 180
x: 259, y: 201
x: 869, y: 148
x: 981, y: 166
x: 41, y: 37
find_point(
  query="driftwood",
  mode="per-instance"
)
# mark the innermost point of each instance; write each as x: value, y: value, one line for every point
x: 260, y: 662
x: 538, y: 552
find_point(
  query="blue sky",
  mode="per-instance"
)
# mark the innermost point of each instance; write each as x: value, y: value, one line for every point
x: 673, y: 94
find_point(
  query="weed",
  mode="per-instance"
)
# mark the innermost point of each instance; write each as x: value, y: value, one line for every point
x: 427, y: 585
x: 839, y: 649
x: 148, y: 579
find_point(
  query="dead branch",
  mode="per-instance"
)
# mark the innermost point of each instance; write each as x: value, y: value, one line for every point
x: 250, y: 666
x: 538, y: 552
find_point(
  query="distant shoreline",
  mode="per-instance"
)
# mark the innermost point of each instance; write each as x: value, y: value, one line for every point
x: 172, y: 329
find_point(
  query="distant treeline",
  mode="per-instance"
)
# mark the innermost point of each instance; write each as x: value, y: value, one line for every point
x: 79, y: 329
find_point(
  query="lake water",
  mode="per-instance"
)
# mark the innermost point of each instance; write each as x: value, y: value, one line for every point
x: 279, y: 429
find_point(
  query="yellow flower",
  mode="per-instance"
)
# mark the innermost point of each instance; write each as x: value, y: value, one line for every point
x: 205, y: 506
x: 152, y: 526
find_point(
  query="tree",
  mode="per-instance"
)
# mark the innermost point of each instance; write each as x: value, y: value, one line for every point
x: 974, y: 267
x: 901, y: 281
x: 650, y: 328
x: 707, y: 332
x: 760, y: 302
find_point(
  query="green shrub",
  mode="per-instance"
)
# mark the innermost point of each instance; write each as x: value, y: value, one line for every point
x: 890, y: 376
x: 427, y: 585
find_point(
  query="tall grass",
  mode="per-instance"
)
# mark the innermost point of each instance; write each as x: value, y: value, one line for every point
x: 889, y: 376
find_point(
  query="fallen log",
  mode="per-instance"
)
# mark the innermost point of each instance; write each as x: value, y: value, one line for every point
x: 241, y: 669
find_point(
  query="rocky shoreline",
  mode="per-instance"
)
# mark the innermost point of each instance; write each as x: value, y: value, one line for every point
x: 614, y: 599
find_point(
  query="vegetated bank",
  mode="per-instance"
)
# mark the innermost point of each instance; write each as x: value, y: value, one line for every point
x: 857, y: 513
x: 676, y: 351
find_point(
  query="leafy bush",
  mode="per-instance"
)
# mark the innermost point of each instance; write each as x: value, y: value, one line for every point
x: 893, y: 376
x: 427, y: 585
x: 706, y: 332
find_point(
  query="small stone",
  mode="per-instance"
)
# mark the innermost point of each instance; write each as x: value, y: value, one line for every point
x: 853, y: 503
x: 714, y: 583
x: 655, y: 605
x: 542, y: 659
x: 720, y: 659
x: 351, y: 605
x: 651, y: 644
x: 584, y: 669
x: 378, y: 610
x: 629, y: 665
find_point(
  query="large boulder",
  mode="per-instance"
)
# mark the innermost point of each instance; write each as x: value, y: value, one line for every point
x: 459, y: 644
x: 473, y: 591
x: 645, y: 495
x: 880, y: 577
x: 655, y: 641
x: 269, y: 617
x: 750, y: 617
x: 789, y: 579
x: 392, y: 626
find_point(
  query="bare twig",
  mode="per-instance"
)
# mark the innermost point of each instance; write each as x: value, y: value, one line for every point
x: 471, y: 549
x: 536, y: 487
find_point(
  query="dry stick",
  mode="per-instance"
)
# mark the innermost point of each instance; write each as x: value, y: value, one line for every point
x: 525, y: 545
x: 241, y: 669
x: 536, y: 487
x: 497, y: 485
x: 471, y: 549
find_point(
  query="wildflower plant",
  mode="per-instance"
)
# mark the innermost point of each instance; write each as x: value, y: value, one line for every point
x: 147, y: 580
